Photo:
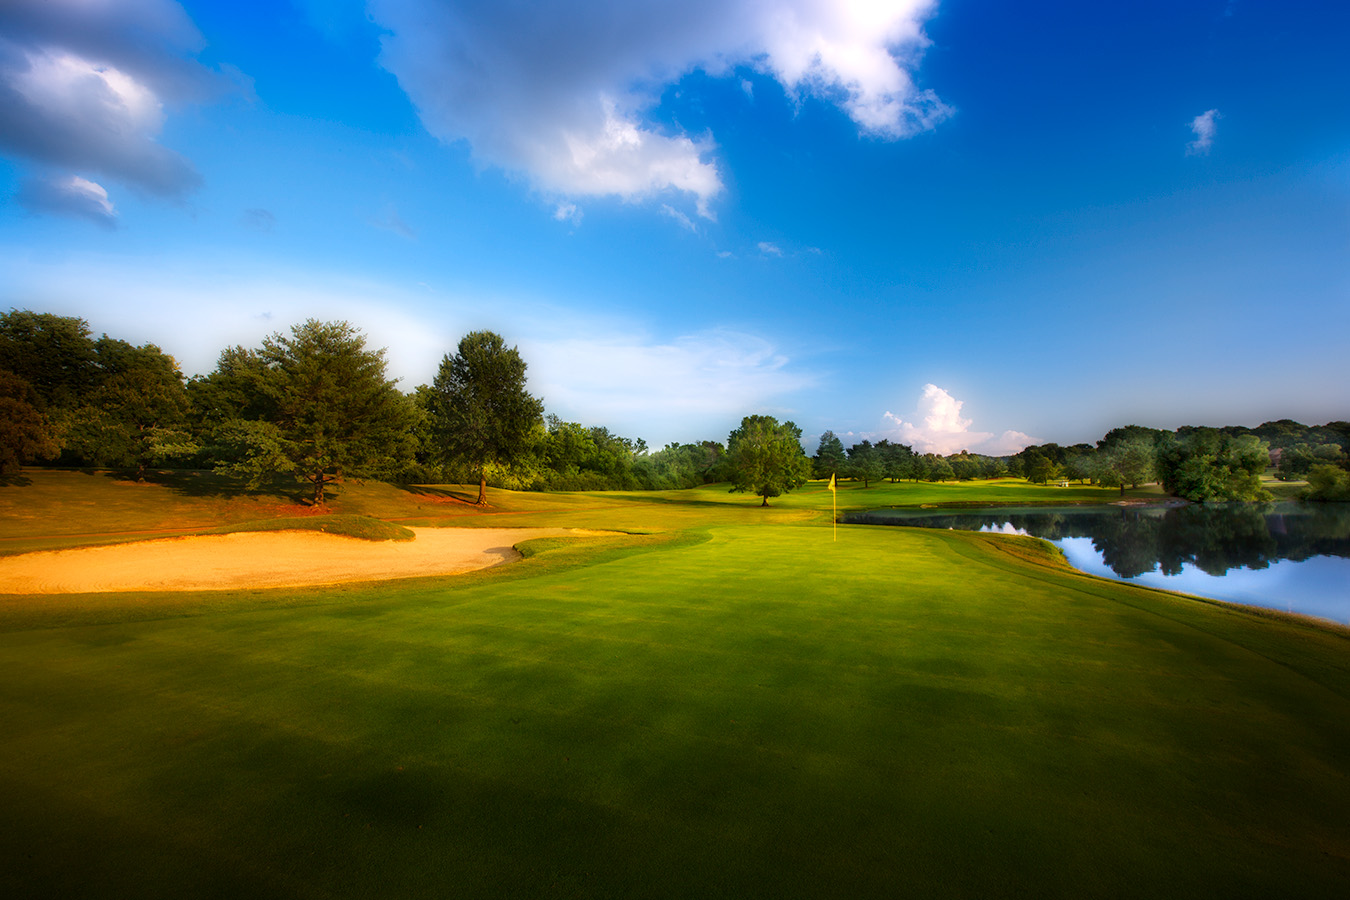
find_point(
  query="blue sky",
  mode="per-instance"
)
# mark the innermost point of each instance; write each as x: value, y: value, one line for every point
x: 958, y: 224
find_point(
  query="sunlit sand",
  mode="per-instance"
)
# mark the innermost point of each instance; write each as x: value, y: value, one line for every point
x: 254, y: 560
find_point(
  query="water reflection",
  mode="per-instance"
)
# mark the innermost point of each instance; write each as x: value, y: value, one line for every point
x: 1211, y: 550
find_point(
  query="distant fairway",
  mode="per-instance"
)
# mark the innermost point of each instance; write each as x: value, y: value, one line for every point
x: 732, y: 706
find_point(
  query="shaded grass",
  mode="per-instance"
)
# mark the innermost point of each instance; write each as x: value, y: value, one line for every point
x: 364, y: 527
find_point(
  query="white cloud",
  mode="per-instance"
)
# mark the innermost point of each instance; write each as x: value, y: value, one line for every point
x: 769, y: 248
x: 83, y: 86
x: 943, y: 430
x: 664, y: 391
x: 683, y: 220
x: 1204, y: 127
x: 72, y: 196
x: 562, y: 93
x: 1008, y: 443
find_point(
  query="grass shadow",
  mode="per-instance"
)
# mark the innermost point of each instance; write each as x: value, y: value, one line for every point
x: 439, y: 494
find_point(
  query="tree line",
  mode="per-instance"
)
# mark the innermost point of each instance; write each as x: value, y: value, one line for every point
x: 316, y: 405
x: 1198, y: 463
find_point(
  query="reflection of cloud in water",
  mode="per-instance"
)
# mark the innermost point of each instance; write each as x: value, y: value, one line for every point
x: 1005, y: 528
x: 1319, y: 586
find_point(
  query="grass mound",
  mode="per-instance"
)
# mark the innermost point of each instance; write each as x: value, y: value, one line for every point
x: 364, y: 527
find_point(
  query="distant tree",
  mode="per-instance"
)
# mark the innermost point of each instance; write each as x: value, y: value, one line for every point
x: 866, y: 463
x: 315, y: 404
x: 1207, y: 465
x: 1298, y: 460
x: 766, y: 457
x: 830, y: 459
x: 1328, y: 482
x: 964, y: 466
x: 26, y: 433
x: 1038, y: 467
x: 938, y: 469
x: 1127, y: 432
x: 1130, y: 460
x: 897, y: 460
x: 1080, y: 462
x: 483, y: 415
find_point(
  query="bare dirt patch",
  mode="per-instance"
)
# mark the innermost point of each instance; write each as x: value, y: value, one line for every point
x: 271, y: 559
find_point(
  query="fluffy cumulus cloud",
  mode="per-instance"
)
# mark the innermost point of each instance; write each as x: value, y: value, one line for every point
x: 939, y: 427
x: 1203, y: 126
x: 662, y: 391
x: 84, y: 85
x: 72, y: 196
x: 561, y: 92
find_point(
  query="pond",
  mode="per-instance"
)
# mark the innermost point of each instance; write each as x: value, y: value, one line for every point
x: 1289, y: 556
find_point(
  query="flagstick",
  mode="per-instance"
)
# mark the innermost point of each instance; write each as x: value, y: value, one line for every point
x: 834, y: 507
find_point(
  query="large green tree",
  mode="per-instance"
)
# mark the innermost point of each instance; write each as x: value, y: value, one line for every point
x: 54, y: 354
x: 315, y: 404
x: 766, y: 458
x: 136, y: 415
x: 481, y: 411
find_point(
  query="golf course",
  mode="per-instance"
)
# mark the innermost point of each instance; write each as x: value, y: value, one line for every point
x: 674, y: 694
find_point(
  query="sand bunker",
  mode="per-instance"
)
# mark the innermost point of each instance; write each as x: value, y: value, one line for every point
x: 270, y: 559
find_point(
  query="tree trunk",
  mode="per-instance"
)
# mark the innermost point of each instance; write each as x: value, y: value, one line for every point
x: 765, y: 503
x: 1122, y: 489
x: 482, y: 488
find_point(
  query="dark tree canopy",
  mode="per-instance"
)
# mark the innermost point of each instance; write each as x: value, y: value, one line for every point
x: 315, y: 404
x: 54, y: 354
x: 137, y: 414
x: 25, y: 431
x: 766, y: 457
x: 481, y: 411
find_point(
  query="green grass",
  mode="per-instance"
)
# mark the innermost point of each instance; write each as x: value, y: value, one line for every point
x: 734, y: 705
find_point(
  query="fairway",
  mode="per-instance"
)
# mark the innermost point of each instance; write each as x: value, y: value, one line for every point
x: 737, y: 706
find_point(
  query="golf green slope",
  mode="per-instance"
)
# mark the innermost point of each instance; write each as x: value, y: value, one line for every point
x: 735, y: 708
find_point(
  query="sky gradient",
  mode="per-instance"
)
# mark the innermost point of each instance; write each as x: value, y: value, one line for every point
x: 963, y: 225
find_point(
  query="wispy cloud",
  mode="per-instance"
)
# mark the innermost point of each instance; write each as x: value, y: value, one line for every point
x: 664, y: 390
x: 72, y: 196
x: 564, y: 94
x: 258, y: 219
x: 769, y: 248
x: 389, y: 220
x: 1204, y: 126
x: 683, y: 220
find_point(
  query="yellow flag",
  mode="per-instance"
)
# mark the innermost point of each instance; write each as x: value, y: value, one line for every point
x: 832, y: 483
